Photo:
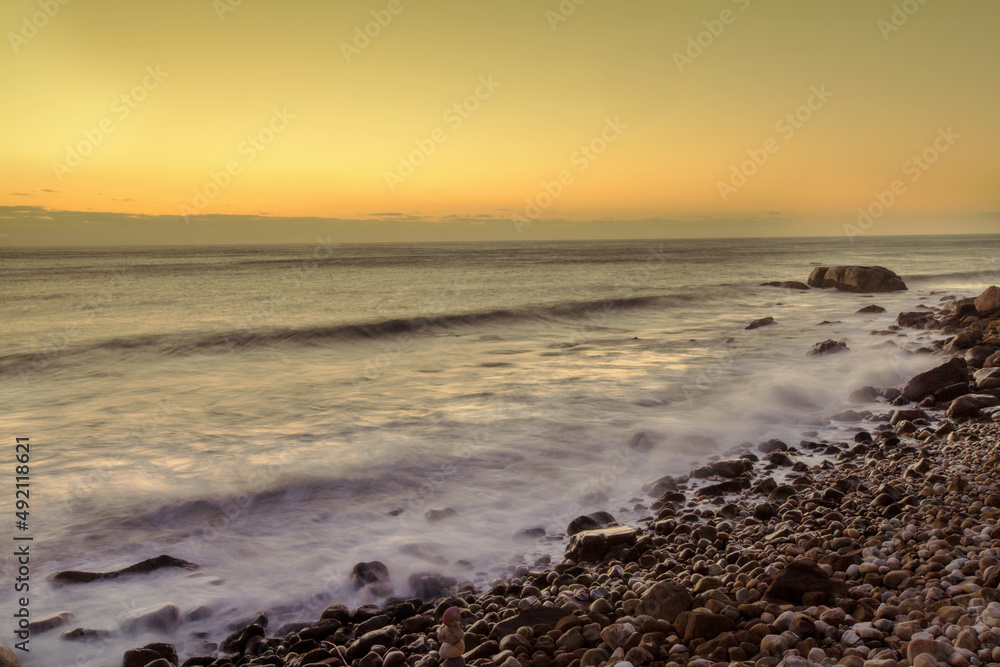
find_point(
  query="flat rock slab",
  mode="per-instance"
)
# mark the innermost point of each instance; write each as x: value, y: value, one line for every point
x: 593, y: 545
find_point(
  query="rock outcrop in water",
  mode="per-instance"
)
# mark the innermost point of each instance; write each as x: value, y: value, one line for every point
x: 145, y: 567
x: 856, y: 279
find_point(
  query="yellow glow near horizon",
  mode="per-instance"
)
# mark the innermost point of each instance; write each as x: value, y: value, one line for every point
x: 495, y: 101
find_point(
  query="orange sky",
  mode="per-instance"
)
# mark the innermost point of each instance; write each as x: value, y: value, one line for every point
x: 507, y: 111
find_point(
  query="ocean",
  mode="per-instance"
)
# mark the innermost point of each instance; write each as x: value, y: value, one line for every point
x: 277, y: 414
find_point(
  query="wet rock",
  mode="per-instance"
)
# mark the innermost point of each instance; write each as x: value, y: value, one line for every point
x: 918, y: 319
x: 593, y: 545
x: 163, y: 618
x: 373, y: 572
x: 528, y: 618
x: 730, y: 467
x: 237, y: 641
x: 829, y: 346
x: 86, y: 634
x: 697, y: 625
x: 431, y: 585
x: 51, y: 622
x: 665, y: 600
x: 528, y: 534
x: 924, y: 384
x: 641, y: 442
x: 939, y: 650
x: 434, y: 515
x: 987, y: 379
x: 856, y: 279
x: 908, y: 415
x: 7, y: 656
x: 383, y: 637
x: 144, y: 567
x: 988, y: 302
x: 969, y: 405
x: 762, y: 322
x: 772, y: 445
x: 140, y: 657
x: 591, y: 521
x: 799, y: 578
x: 871, y: 309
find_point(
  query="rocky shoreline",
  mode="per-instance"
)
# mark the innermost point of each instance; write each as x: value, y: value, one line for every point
x: 878, y: 551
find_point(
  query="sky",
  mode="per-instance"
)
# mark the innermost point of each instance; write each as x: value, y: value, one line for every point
x: 256, y: 121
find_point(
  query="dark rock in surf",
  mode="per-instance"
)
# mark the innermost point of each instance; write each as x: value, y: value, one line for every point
x: 369, y: 573
x: 856, y: 279
x: 871, y: 309
x: 439, y: 515
x: 140, y: 657
x: 762, y: 322
x: 592, y: 521
x: 145, y: 567
x: 430, y: 585
x: 828, y: 347
x: 917, y: 319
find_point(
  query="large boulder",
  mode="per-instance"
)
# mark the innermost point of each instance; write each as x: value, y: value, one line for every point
x: 856, y: 279
x: 924, y: 384
x: 970, y: 405
x: 987, y: 379
x: 593, y: 545
x: 731, y: 468
x: 988, y: 302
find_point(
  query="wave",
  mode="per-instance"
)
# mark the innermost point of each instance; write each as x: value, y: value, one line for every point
x: 186, y: 343
x: 978, y: 277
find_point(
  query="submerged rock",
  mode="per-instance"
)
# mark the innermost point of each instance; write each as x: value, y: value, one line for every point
x: 163, y: 618
x: 828, y: 347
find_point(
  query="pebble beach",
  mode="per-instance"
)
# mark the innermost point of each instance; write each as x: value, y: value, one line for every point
x: 880, y: 550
